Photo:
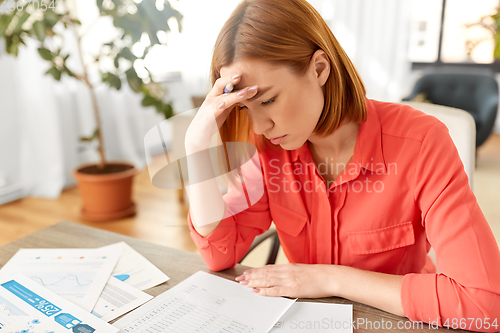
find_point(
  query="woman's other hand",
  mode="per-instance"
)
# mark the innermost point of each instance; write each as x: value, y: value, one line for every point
x: 291, y: 280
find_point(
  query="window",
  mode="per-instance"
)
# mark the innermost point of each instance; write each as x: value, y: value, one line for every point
x: 450, y: 38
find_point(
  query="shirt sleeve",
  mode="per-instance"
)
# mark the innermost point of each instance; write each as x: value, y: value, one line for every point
x: 467, y: 254
x: 246, y: 216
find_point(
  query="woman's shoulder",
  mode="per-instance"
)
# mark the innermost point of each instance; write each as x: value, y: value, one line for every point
x: 401, y: 120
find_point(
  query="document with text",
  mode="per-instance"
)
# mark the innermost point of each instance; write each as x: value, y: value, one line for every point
x: 134, y: 269
x: 26, y: 306
x: 205, y: 303
x: 78, y: 275
x: 118, y: 298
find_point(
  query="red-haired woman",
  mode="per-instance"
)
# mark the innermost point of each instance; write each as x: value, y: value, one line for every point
x: 359, y: 190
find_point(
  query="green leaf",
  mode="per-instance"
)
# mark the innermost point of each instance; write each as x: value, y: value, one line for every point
x: 13, y: 49
x: 55, y: 73
x: 178, y: 16
x: 45, y: 54
x: 92, y: 137
x: 117, y: 62
x: 167, y: 111
x: 12, y: 44
x: 22, y: 19
x: 68, y: 71
x: 127, y: 54
x: 149, y: 101
x: 131, y: 25
x: 133, y: 80
x: 111, y: 79
x: 4, y: 23
x: 39, y: 30
x: 496, y: 51
x: 99, y: 4
x: 50, y: 18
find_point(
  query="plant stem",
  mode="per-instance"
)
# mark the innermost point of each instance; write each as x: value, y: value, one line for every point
x: 95, y: 106
x: 100, y: 147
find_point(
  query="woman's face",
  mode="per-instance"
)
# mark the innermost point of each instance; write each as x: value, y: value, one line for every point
x: 285, y: 104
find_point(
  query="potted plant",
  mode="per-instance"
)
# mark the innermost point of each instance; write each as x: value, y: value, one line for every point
x: 106, y: 187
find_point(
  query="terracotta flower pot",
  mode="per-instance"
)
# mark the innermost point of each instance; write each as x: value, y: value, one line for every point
x: 106, y: 193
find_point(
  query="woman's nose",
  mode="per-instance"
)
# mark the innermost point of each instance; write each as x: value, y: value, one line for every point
x: 261, y: 125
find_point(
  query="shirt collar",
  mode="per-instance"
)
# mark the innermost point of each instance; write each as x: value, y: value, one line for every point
x: 368, y: 150
x: 370, y: 141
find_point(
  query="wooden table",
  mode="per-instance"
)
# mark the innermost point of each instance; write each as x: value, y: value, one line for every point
x: 179, y: 265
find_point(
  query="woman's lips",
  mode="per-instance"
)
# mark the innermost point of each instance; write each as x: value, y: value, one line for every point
x: 277, y: 140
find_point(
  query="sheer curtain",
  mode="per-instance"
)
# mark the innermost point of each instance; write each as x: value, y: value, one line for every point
x: 51, y: 115
x: 375, y: 35
x: 48, y: 118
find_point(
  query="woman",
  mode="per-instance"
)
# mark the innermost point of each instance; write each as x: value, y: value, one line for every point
x: 359, y: 190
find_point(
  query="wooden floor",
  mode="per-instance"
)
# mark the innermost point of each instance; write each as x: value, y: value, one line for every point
x: 161, y: 219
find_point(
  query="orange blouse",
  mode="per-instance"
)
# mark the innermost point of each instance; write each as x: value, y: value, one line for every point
x: 403, y: 191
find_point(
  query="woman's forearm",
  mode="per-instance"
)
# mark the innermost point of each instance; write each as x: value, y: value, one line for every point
x: 382, y: 291
x: 205, y: 199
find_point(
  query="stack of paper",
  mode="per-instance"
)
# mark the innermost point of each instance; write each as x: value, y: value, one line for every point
x: 80, y: 290
x: 106, y: 282
x: 204, y: 303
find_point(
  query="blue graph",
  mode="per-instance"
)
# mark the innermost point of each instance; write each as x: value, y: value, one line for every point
x: 122, y: 277
x: 68, y: 278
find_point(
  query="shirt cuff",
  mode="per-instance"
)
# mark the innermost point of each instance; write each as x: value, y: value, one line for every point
x: 220, y: 237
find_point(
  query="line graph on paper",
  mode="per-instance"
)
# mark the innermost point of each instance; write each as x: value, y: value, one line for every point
x: 203, y: 294
x: 64, y: 282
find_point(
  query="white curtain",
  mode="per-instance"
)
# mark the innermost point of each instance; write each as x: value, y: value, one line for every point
x: 51, y: 115
x: 375, y: 35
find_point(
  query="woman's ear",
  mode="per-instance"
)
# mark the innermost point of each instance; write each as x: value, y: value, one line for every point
x: 321, y: 66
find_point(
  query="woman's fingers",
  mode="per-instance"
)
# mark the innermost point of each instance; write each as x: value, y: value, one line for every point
x: 262, y: 283
x: 220, y: 83
x: 274, y: 291
x: 227, y: 101
x: 269, y: 271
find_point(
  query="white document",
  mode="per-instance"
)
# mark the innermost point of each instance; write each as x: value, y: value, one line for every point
x: 205, y: 303
x: 25, y: 306
x: 118, y: 298
x: 78, y: 275
x: 315, y: 317
x: 135, y: 270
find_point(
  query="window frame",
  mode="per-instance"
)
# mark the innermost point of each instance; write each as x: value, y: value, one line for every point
x: 494, y: 66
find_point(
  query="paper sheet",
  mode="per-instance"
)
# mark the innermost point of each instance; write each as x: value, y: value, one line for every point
x: 25, y: 306
x: 205, y: 303
x: 315, y: 317
x: 78, y: 275
x: 135, y: 270
x: 118, y: 298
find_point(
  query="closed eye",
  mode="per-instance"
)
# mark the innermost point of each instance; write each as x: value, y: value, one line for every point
x: 262, y: 103
x: 268, y: 102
